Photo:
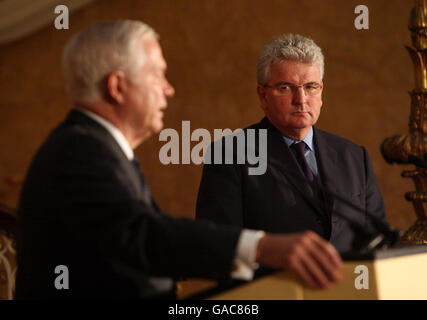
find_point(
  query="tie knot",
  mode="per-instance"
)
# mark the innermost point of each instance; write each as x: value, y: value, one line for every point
x: 299, y: 147
x: 135, y: 162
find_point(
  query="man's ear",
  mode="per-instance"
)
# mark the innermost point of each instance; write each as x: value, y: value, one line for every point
x: 261, y: 91
x: 117, y: 86
x: 321, y: 99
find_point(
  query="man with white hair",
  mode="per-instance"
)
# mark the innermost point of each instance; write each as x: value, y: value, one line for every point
x: 315, y: 180
x: 88, y: 226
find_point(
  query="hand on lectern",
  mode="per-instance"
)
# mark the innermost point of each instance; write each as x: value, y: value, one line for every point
x: 314, y: 259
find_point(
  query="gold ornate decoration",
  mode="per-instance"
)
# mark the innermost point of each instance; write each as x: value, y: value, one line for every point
x: 413, y: 145
x: 7, y: 266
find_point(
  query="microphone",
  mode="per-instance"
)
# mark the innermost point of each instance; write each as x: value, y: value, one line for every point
x: 364, y: 242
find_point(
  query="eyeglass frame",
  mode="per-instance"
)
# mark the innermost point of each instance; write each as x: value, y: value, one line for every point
x: 294, y: 88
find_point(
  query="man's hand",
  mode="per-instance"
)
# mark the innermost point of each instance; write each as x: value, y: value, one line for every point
x: 314, y: 259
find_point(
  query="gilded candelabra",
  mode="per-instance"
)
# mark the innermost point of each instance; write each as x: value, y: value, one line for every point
x: 412, y: 147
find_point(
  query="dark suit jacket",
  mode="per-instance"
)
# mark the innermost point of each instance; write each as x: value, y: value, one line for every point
x: 281, y: 200
x: 81, y: 206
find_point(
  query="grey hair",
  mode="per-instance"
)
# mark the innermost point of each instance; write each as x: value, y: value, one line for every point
x: 288, y: 47
x: 102, y: 48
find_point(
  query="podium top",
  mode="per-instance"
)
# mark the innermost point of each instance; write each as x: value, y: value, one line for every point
x: 396, y: 251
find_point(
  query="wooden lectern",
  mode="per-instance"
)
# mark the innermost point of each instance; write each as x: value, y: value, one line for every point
x: 398, y: 273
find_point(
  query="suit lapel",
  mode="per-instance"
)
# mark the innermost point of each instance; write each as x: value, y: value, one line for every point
x: 326, y: 161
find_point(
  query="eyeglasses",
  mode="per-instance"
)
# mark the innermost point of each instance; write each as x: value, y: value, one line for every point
x: 288, y: 89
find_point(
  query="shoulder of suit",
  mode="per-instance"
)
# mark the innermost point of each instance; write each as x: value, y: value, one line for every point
x: 69, y: 136
x: 258, y: 125
x: 338, y: 142
x: 69, y: 132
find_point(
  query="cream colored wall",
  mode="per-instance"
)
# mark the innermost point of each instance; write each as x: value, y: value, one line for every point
x: 212, y: 48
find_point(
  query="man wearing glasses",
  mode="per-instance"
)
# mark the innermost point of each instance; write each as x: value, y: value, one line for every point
x: 314, y: 181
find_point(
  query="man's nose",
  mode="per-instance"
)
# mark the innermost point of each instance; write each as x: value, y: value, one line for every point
x: 168, y: 90
x: 299, y: 96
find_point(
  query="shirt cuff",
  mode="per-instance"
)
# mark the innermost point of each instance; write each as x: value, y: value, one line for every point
x: 244, y: 262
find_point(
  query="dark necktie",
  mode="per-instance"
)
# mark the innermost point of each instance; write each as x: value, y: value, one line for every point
x: 299, y: 149
x: 315, y: 185
x: 145, y: 191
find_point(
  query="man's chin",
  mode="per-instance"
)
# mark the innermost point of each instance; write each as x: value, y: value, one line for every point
x: 157, y: 127
x: 302, y: 123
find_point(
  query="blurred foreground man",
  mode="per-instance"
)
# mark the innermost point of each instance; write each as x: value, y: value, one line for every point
x: 314, y: 180
x: 85, y: 204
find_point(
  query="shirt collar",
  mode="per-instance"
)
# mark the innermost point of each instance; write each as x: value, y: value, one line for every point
x: 115, y: 133
x: 308, y: 140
